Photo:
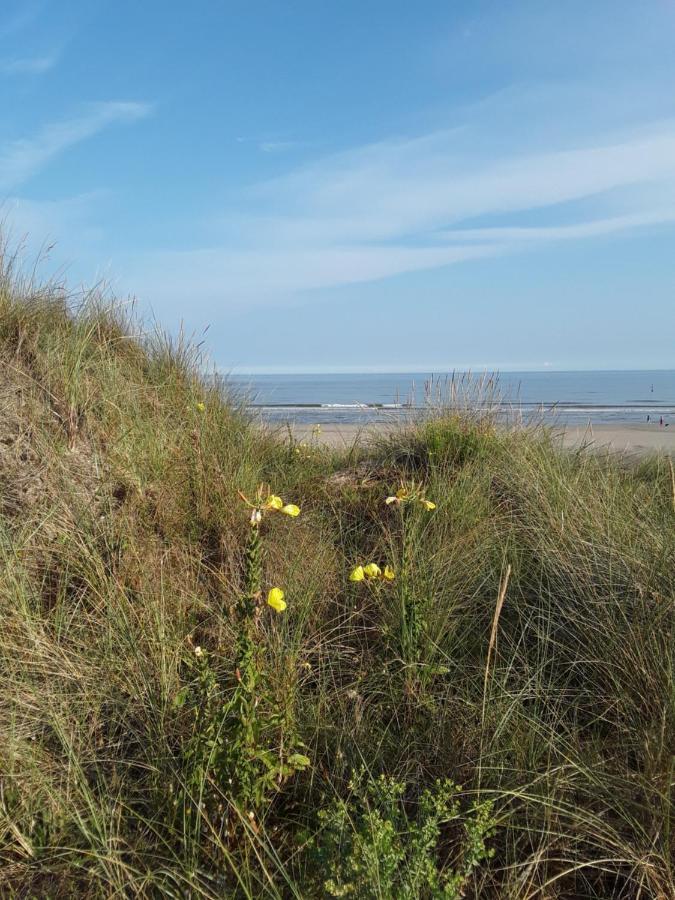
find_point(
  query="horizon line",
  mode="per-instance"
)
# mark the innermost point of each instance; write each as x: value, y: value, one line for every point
x: 427, y: 371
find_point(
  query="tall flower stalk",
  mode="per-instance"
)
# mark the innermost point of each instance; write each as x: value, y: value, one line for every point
x: 408, y: 497
x: 245, y: 747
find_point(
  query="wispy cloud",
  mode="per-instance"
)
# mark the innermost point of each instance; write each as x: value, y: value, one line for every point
x: 404, y: 189
x: 406, y: 205
x: 523, y: 236
x: 21, y: 159
x: 271, y: 145
x: 29, y: 65
x: 277, y: 146
x: 69, y: 225
x: 264, y: 275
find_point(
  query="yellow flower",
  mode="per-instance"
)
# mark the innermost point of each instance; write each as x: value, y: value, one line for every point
x: 357, y: 574
x: 201, y: 407
x: 388, y: 573
x: 372, y: 570
x: 408, y: 492
x: 264, y: 502
x: 275, y: 599
x: 402, y: 495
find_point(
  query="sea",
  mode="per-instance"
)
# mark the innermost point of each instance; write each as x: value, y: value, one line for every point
x: 557, y: 397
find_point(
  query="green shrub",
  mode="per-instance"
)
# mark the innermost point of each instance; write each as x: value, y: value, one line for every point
x: 376, y: 846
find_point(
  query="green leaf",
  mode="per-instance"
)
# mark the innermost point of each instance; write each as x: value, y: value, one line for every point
x: 438, y: 670
x: 298, y: 761
x: 180, y: 698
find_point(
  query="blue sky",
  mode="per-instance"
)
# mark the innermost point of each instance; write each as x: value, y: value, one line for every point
x: 378, y: 185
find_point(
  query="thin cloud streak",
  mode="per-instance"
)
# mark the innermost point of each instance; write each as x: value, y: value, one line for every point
x: 394, y: 190
x: 27, y: 221
x: 21, y: 159
x: 277, y: 146
x: 251, y: 277
x: 31, y: 65
x: 594, y: 228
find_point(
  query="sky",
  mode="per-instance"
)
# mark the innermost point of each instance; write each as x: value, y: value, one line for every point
x: 317, y: 185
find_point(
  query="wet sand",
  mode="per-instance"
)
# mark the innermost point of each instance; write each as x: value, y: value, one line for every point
x: 633, y: 438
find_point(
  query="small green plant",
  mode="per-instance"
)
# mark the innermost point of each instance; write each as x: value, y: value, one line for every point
x: 243, y: 747
x: 374, y: 847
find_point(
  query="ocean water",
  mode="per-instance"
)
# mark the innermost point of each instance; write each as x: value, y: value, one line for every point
x: 565, y: 397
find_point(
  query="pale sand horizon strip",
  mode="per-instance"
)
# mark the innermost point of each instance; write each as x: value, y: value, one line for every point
x: 631, y: 437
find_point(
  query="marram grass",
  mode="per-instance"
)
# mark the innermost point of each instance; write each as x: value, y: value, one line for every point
x: 446, y: 671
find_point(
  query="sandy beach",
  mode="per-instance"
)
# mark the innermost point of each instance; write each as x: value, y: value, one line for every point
x: 630, y: 437
x: 639, y: 439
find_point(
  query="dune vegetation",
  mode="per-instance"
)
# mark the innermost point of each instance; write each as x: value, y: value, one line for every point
x: 438, y: 665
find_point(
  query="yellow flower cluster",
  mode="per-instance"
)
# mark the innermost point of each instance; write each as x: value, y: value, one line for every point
x: 303, y: 450
x: 372, y: 571
x: 288, y: 509
x: 266, y: 502
x: 410, y: 493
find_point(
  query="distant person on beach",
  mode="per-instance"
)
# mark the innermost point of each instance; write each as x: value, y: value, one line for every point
x: 648, y: 417
x: 661, y: 422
